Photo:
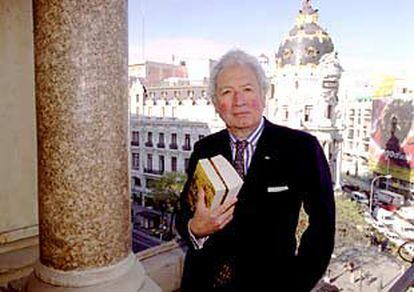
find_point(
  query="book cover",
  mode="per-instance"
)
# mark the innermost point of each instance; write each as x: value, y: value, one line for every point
x: 219, y: 180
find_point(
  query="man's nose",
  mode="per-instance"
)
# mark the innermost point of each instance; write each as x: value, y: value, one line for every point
x: 239, y: 98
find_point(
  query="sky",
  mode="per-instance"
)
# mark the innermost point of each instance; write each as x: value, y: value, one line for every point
x: 369, y: 36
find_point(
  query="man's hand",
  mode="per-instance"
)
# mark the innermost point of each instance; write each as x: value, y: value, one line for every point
x: 206, y: 221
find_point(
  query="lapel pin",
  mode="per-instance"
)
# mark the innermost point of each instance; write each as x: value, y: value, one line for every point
x: 267, y: 157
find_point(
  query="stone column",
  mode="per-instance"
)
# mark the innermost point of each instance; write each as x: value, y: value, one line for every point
x: 81, y: 85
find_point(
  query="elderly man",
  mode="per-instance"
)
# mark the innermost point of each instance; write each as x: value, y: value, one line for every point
x: 248, y: 243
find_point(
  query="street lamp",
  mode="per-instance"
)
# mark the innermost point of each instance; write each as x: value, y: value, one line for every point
x: 371, y: 198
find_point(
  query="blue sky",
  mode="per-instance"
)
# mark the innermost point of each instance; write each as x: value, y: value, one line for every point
x: 367, y: 34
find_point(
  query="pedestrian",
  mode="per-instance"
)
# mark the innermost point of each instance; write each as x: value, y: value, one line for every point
x: 350, y: 267
x: 248, y: 243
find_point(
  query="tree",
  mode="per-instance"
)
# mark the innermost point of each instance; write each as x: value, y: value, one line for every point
x: 166, y: 192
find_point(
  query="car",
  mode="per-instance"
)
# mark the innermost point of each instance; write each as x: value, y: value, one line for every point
x: 359, y: 197
x: 391, y: 235
x: 349, y: 188
x: 386, y: 206
x: 379, y: 226
x: 410, y: 248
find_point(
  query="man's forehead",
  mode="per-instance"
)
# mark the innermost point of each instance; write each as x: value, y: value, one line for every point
x: 237, y: 72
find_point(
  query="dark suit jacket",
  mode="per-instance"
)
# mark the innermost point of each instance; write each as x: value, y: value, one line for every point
x: 261, y: 236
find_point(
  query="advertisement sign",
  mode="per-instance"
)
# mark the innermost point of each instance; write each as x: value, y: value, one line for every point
x: 392, y: 138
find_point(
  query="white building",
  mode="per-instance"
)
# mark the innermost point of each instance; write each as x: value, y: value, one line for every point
x: 160, y: 145
x: 357, y: 136
x: 306, y: 83
x: 174, y: 98
x: 369, y: 107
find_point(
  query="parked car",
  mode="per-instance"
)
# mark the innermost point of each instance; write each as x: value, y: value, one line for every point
x: 379, y: 226
x: 410, y: 248
x: 349, y: 188
x: 391, y: 235
x: 359, y: 197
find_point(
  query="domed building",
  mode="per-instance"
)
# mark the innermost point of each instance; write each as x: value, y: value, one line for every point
x: 305, y: 85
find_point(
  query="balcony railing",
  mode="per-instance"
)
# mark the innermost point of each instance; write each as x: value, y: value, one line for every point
x: 173, y: 146
x: 164, y: 264
x: 187, y: 147
x: 160, y: 145
x: 153, y: 171
x: 149, y: 144
x: 134, y: 143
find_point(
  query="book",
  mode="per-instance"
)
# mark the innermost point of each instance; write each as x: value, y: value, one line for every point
x: 219, y: 180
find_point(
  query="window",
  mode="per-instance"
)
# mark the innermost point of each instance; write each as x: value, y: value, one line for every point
x: 161, y: 143
x: 173, y: 144
x: 149, y: 162
x: 311, y: 51
x: 149, y: 139
x: 187, y: 142
x: 137, y: 97
x: 307, y: 113
x: 135, y: 138
x: 186, y: 163
x: 173, y: 163
x: 161, y: 163
x: 272, y: 90
x: 285, y: 113
x: 135, y: 161
x: 137, y: 182
x: 329, y: 111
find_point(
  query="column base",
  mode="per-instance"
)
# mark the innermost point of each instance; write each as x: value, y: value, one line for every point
x: 135, y: 280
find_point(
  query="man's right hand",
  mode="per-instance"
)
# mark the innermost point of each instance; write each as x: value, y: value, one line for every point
x: 206, y: 221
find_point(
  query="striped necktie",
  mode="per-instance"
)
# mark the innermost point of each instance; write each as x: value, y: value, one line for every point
x: 238, y: 162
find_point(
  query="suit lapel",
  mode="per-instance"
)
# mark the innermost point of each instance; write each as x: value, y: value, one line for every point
x: 266, y: 153
x: 222, y: 146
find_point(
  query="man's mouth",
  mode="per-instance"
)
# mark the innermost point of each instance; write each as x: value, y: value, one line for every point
x: 240, y: 114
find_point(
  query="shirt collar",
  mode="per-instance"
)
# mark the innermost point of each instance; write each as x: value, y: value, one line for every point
x: 253, y: 137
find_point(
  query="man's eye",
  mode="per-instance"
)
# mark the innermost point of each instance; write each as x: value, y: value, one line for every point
x: 225, y: 92
x: 248, y: 89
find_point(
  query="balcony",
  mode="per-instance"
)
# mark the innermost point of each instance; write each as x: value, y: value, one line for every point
x: 160, y: 145
x: 134, y: 143
x: 153, y: 171
x: 187, y: 147
x: 162, y: 263
x: 174, y: 146
x: 149, y: 144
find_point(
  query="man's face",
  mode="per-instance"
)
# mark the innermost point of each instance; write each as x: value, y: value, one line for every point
x: 239, y: 100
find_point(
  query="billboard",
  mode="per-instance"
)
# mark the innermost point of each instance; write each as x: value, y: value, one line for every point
x: 392, y: 137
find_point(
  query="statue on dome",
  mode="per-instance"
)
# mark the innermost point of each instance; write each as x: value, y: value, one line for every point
x: 307, y: 7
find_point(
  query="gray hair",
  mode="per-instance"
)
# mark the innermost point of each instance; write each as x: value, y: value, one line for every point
x: 237, y: 57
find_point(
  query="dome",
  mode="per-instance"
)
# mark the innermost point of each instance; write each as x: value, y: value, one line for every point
x: 306, y: 42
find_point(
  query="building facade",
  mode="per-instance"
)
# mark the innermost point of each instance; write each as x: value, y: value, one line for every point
x: 174, y: 98
x: 379, y: 132
x: 305, y: 85
x: 160, y: 145
x: 355, y: 157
